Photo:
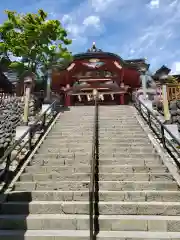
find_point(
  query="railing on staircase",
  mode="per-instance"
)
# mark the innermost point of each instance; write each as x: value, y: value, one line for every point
x: 168, y: 140
x: 15, y: 155
x: 94, y: 176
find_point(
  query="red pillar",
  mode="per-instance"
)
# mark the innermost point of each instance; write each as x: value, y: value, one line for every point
x: 121, y: 99
x: 67, y: 100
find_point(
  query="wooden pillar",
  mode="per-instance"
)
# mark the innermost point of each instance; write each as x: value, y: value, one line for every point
x: 67, y: 100
x: 167, y: 114
x: 121, y: 99
x: 48, y: 86
x: 67, y: 96
x: 143, y: 79
x: 26, y: 106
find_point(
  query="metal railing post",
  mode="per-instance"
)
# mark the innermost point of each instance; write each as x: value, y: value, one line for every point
x: 44, y: 121
x: 30, y: 138
x: 163, y: 137
x: 149, y: 119
x: 93, y: 187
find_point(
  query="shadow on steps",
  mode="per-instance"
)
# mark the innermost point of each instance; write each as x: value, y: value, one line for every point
x: 13, y: 218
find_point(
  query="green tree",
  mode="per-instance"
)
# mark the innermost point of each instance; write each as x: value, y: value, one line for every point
x: 37, y: 41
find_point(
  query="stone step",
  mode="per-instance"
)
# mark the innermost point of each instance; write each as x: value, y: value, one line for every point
x: 87, y: 120
x: 52, y: 149
x: 127, y: 148
x: 126, y: 139
x: 105, y: 208
x: 129, y: 135
x: 77, y: 134
x: 84, y: 235
x: 60, y: 155
x: 127, y: 196
x: 105, y: 139
x: 69, y: 162
x: 118, y: 115
x: 135, y: 154
x: 84, y: 132
x: 55, y: 143
x: 107, y: 168
x: 72, y: 133
x: 61, y: 139
x: 74, y: 119
x: 124, y: 130
x: 75, y: 155
x: 118, y: 132
x: 81, y: 222
x: 114, y: 151
x: 103, y: 185
x: 102, y: 147
x: 102, y: 176
x: 117, y: 122
x: 59, y: 127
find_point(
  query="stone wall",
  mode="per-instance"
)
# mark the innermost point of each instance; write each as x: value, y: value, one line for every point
x: 11, y: 116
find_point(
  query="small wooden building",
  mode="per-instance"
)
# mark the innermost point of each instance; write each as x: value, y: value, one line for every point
x: 6, y: 86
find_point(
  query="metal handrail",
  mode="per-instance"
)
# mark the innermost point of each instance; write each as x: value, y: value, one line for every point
x: 26, y: 139
x: 93, y: 188
x: 159, y: 129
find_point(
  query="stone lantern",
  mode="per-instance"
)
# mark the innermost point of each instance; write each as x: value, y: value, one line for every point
x: 143, y: 67
x: 163, y: 76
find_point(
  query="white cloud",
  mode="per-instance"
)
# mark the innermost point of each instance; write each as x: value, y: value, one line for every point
x: 81, y: 28
x: 132, y: 29
x: 175, y: 68
x: 66, y: 18
x: 74, y: 29
x: 154, y: 4
x: 92, y: 21
x: 101, y: 5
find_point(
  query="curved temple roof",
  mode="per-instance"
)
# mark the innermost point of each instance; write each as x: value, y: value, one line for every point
x: 98, y: 53
x: 94, y: 52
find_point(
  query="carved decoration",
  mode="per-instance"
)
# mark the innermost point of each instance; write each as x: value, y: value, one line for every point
x: 94, y: 64
x: 117, y: 65
x: 71, y: 67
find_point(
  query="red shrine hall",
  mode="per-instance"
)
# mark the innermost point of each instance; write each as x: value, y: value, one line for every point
x: 113, y: 77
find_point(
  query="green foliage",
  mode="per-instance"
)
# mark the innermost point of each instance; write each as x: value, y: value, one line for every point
x: 37, y: 41
x: 18, y: 67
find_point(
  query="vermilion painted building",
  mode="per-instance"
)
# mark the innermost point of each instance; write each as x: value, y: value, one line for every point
x: 111, y: 75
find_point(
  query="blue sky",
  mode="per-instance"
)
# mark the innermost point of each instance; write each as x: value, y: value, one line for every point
x: 130, y: 28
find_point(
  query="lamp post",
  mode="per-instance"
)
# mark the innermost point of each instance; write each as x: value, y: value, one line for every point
x: 27, y: 91
x: 143, y: 67
x: 48, y: 86
x: 163, y: 80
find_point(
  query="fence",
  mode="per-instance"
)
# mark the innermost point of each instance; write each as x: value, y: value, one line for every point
x: 170, y: 142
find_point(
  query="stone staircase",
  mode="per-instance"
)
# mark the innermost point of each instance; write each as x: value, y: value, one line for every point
x: 138, y: 196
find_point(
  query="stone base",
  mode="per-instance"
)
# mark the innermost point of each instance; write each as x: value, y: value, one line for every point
x: 20, y: 130
x: 146, y: 102
x: 45, y: 107
x: 173, y: 128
